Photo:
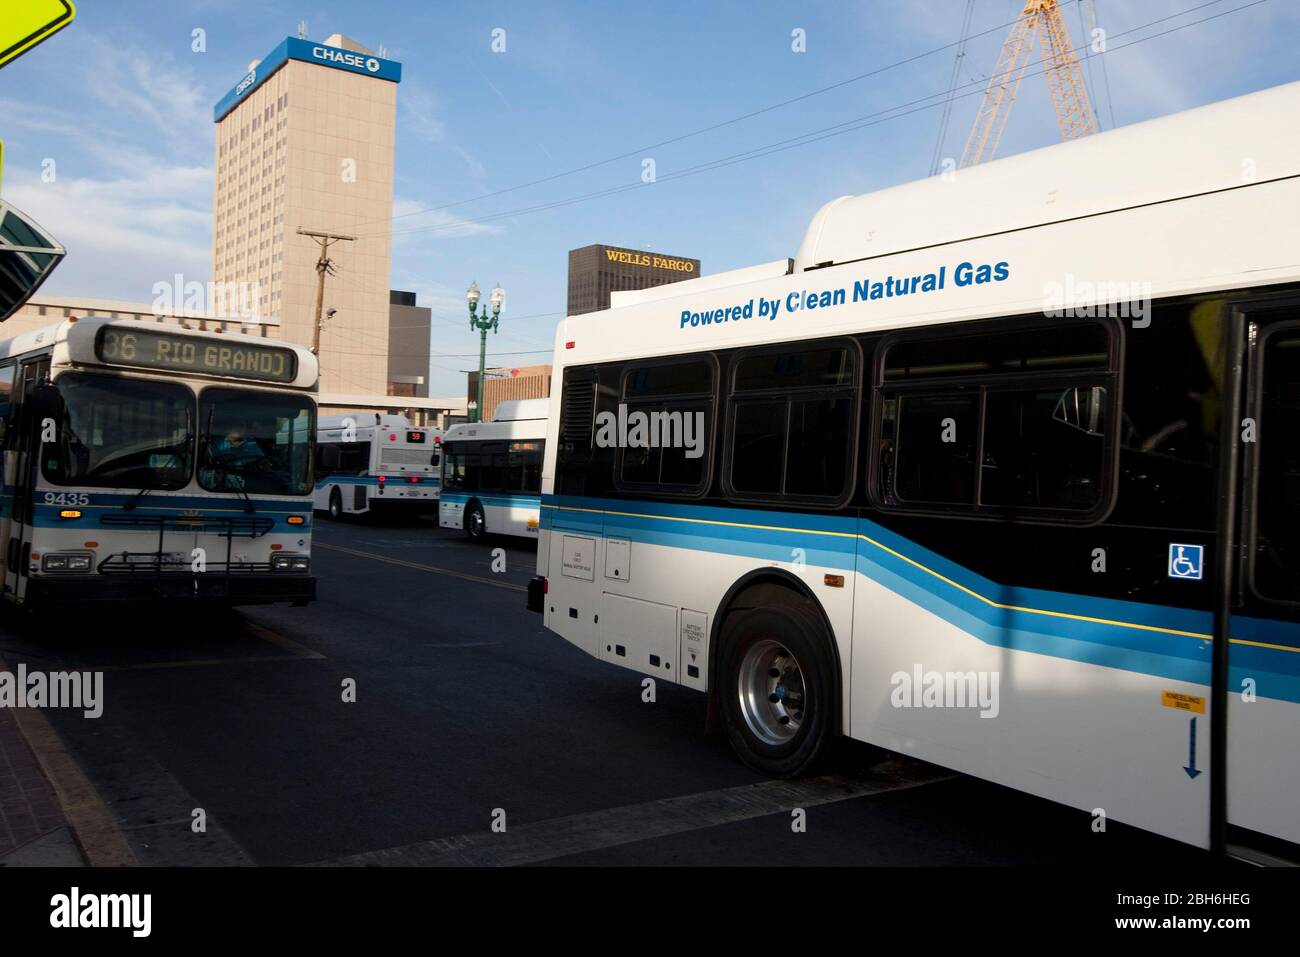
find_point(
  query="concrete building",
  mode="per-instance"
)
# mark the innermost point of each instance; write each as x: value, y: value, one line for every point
x: 409, y: 330
x: 596, y: 271
x: 505, y: 383
x: 305, y: 141
x: 44, y: 309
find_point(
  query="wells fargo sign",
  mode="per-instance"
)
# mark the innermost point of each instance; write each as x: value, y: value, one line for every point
x: 650, y: 260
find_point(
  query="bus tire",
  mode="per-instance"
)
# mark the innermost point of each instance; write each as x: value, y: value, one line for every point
x: 776, y: 692
x: 475, y: 522
x: 336, y: 504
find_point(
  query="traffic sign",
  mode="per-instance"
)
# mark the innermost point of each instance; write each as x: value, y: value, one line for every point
x: 25, y: 23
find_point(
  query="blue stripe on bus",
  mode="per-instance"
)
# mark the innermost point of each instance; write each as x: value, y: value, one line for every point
x: 193, y: 506
x: 496, y: 500
x: 1149, y: 639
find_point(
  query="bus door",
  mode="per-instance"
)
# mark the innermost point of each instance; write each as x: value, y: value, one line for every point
x: 1263, y: 686
x: 21, y: 454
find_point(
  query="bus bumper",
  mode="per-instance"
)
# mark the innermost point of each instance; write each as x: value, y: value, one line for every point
x: 226, y: 589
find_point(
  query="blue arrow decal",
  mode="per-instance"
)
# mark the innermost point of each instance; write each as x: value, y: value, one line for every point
x: 1191, y: 752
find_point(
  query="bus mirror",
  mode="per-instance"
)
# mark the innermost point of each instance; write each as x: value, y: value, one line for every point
x: 329, y: 457
x: 46, y: 402
x: 28, y: 255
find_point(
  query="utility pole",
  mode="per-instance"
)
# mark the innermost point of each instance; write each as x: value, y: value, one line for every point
x: 323, y: 265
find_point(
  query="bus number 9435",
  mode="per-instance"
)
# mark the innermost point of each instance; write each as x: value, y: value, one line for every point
x: 67, y: 498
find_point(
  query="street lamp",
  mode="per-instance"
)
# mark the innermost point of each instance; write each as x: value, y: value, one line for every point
x: 483, y: 323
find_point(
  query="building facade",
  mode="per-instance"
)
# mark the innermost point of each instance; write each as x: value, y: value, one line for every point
x: 596, y: 271
x: 409, y: 331
x: 506, y: 383
x: 306, y: 141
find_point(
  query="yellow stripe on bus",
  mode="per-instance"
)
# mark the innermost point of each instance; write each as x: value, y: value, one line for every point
x: 929, y: 571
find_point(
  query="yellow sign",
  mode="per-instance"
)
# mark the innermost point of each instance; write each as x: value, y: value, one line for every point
x: 649, y: 259
x: 1183, y: 702
x: 25, y: 23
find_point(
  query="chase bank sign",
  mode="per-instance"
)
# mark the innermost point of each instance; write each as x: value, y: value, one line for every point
x: 294, y: 48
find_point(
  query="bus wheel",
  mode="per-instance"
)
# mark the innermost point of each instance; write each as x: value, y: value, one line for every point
x: 777, y: 696
x: 336, y: 504
x: 475, y: 525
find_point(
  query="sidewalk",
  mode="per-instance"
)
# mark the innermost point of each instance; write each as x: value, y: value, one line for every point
x: 33, y: 831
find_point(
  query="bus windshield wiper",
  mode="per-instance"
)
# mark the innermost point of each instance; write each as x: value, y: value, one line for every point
x: 136, y: 498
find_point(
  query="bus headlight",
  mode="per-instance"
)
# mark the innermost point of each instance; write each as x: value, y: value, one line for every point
x: 75, y: 562
x: 290, y: 563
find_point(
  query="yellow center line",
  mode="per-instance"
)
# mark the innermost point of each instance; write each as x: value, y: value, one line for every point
x: 421, y: 567
x: 1199, y: 636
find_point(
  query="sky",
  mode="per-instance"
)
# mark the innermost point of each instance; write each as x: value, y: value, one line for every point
x: 119, y: 107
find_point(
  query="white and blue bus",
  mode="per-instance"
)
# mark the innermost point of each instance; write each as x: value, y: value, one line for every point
x: 492, y: 472
x: 369, y: 462
x: 1000, y: 471
x: 152, y: 461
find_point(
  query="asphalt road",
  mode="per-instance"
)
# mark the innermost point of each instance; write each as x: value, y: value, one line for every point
x: 467, y: 712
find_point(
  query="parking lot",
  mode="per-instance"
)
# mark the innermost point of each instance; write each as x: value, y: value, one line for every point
x: 467, y: 713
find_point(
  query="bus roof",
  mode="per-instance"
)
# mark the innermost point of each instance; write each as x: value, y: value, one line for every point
x: 516, y: 410
x: 1195, y: 202
x: 74, y: 343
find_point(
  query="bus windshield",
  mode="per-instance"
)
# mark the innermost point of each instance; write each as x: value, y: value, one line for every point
x: 121, y: 433
x: 255, y: 442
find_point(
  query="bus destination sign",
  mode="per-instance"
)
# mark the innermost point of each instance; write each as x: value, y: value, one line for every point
x: 181, y: 353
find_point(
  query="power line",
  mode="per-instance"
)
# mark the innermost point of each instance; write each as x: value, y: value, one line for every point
x: 701, y: 131
x: 837, y: 129
x: 937, y: 157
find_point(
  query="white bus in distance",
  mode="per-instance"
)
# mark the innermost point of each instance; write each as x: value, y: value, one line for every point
x: 1000, y: 473
x: 145, y: 461
x: 369, y: 462
x: 492, y: 472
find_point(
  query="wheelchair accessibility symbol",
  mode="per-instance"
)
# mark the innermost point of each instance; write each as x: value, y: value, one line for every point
x: 1186, y: 561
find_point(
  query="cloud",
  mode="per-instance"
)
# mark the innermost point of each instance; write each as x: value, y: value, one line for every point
x: 124, y: 234
x: 411, y: 225
x: 421, y: 118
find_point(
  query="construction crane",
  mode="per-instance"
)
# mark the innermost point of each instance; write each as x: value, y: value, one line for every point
x: 1060, y: 68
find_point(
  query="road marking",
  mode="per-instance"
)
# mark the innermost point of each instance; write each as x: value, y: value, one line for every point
x: 540, y: 841
x: 280, y: 641
x: 93, y: 824
x: 421, y: 567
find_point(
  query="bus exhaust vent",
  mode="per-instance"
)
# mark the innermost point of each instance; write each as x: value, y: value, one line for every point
x: 578, y: 415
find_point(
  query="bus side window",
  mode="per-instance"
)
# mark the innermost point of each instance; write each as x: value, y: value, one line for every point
x: 6, y: 402
x: 1275, y: 562
x: 1014, y: 422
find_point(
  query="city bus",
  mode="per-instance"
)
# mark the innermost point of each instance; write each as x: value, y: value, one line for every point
x: 145, y: 461
x: 492, y: 472
x: 368, y: 462
x: 1001, y: 472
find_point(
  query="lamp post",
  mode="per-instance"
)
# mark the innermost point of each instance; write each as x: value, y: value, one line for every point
x: 483, y: 323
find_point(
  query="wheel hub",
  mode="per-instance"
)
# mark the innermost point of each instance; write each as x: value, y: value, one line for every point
x: 771, y: 693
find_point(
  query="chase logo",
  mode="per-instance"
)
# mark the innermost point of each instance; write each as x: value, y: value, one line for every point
x: 247, y: 81
x: 343, y: 58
